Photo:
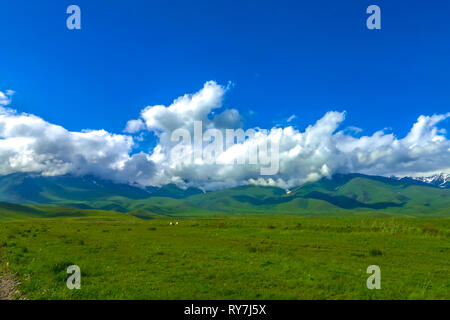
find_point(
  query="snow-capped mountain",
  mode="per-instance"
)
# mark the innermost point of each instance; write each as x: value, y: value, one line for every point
x: 440, y: 180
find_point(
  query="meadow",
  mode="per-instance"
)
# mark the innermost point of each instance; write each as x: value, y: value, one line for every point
x: 233, y: 257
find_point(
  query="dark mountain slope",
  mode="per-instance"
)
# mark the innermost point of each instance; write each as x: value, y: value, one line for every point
x: 342, y: 194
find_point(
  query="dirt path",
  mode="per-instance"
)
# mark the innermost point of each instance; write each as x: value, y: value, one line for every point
x: 8, y: 287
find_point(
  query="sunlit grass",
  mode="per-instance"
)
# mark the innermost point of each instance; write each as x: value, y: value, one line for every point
x: 255, y: 257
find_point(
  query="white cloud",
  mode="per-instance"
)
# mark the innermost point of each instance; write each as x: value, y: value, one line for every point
x: 134, y: 126
x: 5, y: 98
x: 320, y: 150
x: 30, y: 144
x: 189, y: 108
x: 353, y: 129
x: 292, y: 117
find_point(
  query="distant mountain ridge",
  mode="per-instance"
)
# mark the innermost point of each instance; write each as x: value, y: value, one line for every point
x: 440, y: 180
x: 350, y: 194
x: 30, y: 188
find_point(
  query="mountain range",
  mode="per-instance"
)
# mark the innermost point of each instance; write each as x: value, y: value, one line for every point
x: 342, y: 194
x: 440, y: 180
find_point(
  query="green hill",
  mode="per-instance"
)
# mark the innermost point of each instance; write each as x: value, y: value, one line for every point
x: 349, y: 194
x: 343, y: 194
x: 25, y: 188
x: 359, y: 192
x: 9, y: 211
x: 15, y: 211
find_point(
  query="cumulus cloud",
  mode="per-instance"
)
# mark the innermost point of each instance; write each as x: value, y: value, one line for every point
x: 134, y: 126
x: 318, y: 151
x: 5, y: 98
x: 30, y: 144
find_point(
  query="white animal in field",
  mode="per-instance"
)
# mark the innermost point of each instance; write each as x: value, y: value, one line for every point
x: 176, y: 223
x: 171, y: 223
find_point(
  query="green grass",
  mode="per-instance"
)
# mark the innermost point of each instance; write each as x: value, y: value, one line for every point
x: 237, y: 257
x: 10, y: 211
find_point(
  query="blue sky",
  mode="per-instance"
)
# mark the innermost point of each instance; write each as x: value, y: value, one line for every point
x: 283, y: 57
x: 259, y: 61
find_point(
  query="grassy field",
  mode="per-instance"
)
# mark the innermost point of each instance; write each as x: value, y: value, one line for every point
x: 238, y: 257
